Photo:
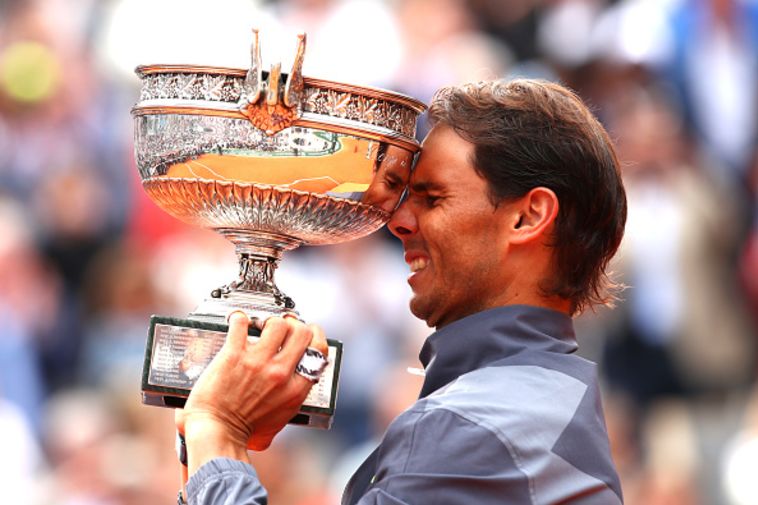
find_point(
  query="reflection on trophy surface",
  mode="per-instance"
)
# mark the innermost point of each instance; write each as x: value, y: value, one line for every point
x: 271, y: 161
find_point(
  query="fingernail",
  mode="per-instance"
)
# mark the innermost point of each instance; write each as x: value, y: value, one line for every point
x: 230, y: 314
x: 292, y: 315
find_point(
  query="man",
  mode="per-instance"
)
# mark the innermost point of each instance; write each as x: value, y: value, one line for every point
x: 513, y: 211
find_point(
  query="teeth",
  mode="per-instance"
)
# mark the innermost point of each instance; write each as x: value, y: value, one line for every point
x: 418, y: 264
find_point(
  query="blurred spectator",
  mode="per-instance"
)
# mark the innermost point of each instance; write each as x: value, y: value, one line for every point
x: 749, y: 259
x: 683, y: 329
x: 53, y: 108
x: 671, y: 469
x: 714, y: 68
x: 686, y: 321
x: 443, y: 47
x: 60, y: 161
x: 70, y: 205
x: 29, y: 304
x: 514, y: 26
x: 119, y: 296
x: 94, y: 457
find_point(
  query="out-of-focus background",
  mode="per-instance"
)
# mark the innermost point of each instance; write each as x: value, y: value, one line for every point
x: 85, y: 257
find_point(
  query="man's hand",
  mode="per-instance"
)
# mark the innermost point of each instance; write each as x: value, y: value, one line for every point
x: 249, y: 391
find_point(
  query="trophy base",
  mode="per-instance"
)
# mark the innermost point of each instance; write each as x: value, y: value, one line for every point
x: 178, y: 350
x: 259, y: 305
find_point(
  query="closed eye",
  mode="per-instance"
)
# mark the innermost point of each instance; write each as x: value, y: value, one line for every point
x: 426, y: 194
x: 431, y: 200
x: 393, y: 182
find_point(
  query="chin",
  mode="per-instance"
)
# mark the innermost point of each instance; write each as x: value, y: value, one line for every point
x: 430, y: 320
x: 417, y: 309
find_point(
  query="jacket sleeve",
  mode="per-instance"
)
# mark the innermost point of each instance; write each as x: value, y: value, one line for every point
x: 224, y: 481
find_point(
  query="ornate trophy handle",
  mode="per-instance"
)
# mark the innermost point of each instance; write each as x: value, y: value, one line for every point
x: 293, y: 91
x: 276, y: 112
x: 254, y: 77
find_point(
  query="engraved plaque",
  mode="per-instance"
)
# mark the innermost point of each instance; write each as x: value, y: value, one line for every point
x: 178, y: 350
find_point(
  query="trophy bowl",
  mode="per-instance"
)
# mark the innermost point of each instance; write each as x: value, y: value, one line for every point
x: 272, y: 161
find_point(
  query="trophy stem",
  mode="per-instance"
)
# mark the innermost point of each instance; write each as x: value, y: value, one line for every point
x: 254, y: 291
x: 256, y: 273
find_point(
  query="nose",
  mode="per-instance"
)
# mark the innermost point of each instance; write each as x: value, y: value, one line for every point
x: 403, y: 222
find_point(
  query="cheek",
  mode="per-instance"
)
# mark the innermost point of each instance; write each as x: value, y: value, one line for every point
x: 465, y: 237
x: 476, y: 257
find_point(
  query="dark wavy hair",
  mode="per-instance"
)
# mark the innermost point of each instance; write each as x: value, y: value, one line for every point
x: 531, y: 133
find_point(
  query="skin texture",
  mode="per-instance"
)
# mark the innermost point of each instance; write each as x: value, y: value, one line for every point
x: 249, y: 391
x: 473, y: 254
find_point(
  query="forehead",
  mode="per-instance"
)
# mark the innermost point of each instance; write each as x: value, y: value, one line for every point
x: 445, y: 158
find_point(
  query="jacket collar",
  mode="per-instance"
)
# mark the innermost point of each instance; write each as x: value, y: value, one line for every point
x: 481, y: 339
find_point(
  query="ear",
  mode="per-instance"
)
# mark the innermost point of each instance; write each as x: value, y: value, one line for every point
x: 534, y: 214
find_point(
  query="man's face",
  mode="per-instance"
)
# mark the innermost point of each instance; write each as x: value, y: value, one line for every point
x: 455, y: 239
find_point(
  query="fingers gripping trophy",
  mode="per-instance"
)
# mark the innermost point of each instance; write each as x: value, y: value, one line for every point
x: 271, y: 161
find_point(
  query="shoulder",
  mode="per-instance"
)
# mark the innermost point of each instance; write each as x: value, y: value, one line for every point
x: 506, y: 427
x: 503, y: 397
x: 523, y: 409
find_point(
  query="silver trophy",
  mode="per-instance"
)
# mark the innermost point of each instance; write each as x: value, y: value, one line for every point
x: 271, y: 161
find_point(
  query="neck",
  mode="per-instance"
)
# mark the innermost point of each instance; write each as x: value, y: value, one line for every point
x: 531, y: 267
x: 555, y: 303
x: 531, y: 299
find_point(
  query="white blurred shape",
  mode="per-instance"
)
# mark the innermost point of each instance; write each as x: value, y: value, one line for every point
x: 138, y: 32
x: 641, y: 30
x: 15, y: 228
x: 739, y: 470
x: 22, y: 459
x: 564, y: 32
x: 188, y: 266
x: 722, y: 68
x: 634, y: 32
x: 354, y: 41
x: 469, y: 57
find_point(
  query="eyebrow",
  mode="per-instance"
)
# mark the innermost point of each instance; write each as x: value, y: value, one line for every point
x: 425, y: 186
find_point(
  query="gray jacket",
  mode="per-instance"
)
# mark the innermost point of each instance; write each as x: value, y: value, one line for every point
x: 507, y: 414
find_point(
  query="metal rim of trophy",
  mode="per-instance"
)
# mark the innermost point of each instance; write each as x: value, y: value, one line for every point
x: 308, y: 120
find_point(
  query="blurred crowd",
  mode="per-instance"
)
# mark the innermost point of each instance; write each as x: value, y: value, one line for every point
x: 86, y: 258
